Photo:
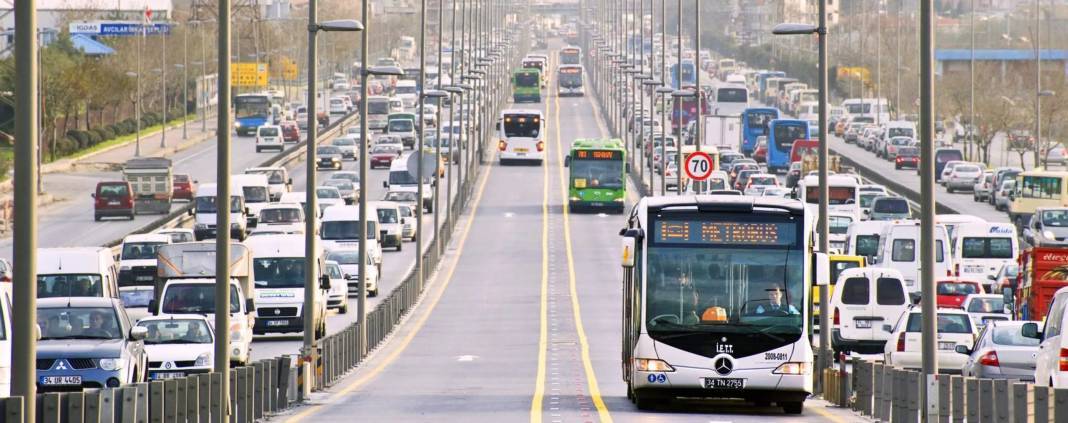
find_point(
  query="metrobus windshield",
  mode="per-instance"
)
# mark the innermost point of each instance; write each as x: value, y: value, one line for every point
x: 522, y: 126
x: 569, y: 56
x: 527, y: 79
x: 758, y: 121
x: 723, y: 274
x: 598, y: 169
x: 785, y: 135
x: 570, y: 77
x: 252, y: 107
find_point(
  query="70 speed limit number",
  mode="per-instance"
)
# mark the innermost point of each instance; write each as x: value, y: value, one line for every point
x: 698, y: 165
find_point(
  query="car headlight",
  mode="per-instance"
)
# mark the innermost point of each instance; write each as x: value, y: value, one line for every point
x: 110, y: 364
x: 235, y: 226
x: 121, y: 268
x: 203, y: 360
x: 237, y: 124
x: 1048, y: 234
x: 236, y: 333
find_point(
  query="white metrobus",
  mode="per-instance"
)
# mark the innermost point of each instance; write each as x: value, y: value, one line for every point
x: 522, y: 135
x: 844, y: 193
x: 714, y: 303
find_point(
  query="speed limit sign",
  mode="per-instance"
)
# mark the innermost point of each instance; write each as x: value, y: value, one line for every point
x: 698, y: 165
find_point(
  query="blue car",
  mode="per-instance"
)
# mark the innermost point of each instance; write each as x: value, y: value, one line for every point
x: 88, y: 342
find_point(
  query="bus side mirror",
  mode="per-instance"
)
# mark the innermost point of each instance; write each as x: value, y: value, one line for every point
x: 823, y: 269
x: 1030, y: 330
x: 629, y: 243
x: 567, y: 161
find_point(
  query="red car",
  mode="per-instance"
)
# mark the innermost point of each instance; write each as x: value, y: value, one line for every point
x: 951, y: 292
x: 383, y: 155
x: 113, y: 199
x: 290, y: 131
x: 907, y: 157
x: 183, y: 187
x: 761, y: 152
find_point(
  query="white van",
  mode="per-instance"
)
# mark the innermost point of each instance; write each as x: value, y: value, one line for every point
x: 278, y: 179
x: 76, y: 272
x: 1053, y: 349
x: 400, y: 177
x: 6, y: 331
x: 838, y: 226
x: 282, y: 217
x: 278, y: 266
x: 137, y: 258
x: 197, y: 296
x: 390, y: 227
x: 204, y: 211
x: 951, y: 221
x: 407, y: 91
x: 862, y: 238
x: 338, y: 228
x: 269, y: 137
x: 378, y: 110
x: 844, y: 194
x: 865, y: 299
x: 899, y: 128
x: 899, y: 248
x: 982, y: 249
x: 257, y: 192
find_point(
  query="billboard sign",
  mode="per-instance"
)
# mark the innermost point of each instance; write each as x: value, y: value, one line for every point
x: 119, y: 28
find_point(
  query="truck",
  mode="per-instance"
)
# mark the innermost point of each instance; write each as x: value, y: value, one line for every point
x: 1042, y: 271
x: 724, y: 132
x: 152, y: 181
x: 185, y: 284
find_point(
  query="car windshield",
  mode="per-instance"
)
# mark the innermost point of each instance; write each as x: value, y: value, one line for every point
x: 383, y: 149
x: 378, y: 107
x: 256, y: 194
x: 1055, y: 218
x: 268, y: 131
x: 890, y: 205
x: 947, y: 323
x: 280, y: 215
x: 112, y: 190
x: 400, y: 125
x: 177, y: 237
x: 522, y: 126
x: 177, y: 331
x: 867, y: 245
x: 340, y: 184
x: 346, y: 229
x: 207, y: 204
x: 345, y: 256
x: 196, y: 298
x: 606, y: 174
x: 987, y: 305
x: 710, y: 284
x: 69, y: 285
x: 987, y: 248
x: 139, y: 250
x: 403, y: 196
x: 839, y: 225
x: 866, y: 198
x: 279, y: 272
x: 79, y: 323
x: 1013, y: 336
x: 957, y: 288
x: 348, y: 176
x: 274, y: 176
x: 344, y: 141
x: 966, y: 169
x: 135, y: 297
x: 327, y: 150
x: 327, y: 193
x: 388, y: 215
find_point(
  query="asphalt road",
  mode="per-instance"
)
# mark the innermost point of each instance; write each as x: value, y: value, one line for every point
x: 521, y: 321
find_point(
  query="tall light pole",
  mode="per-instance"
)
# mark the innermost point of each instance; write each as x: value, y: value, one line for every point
x: 824, y: 234
x: 311, y: 284
x: 676, y: 95
x: 663, y: 91
x: 222, y: 205
x: 1038, y: 88
x: 929, y: 327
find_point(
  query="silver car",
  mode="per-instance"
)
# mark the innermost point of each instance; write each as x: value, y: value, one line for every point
x: 963, y: 176
x: 1001, y: 196
x: 984, y: 187
x: 1001, y: 352
x: 1048, y: 227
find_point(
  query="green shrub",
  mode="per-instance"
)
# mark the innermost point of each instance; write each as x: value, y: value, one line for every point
x: 129, y: 125
x: 116, y: 130
x: 80, y: 137
x: 94, y: 137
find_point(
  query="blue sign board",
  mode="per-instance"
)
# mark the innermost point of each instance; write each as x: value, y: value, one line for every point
x: 119, y: 28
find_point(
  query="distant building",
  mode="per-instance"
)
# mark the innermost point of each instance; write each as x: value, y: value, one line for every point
x: 53, y: 16
x: 1013, y: 64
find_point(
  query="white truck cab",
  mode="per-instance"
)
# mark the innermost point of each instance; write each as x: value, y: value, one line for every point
x: 257, y: 192
x: 339, y: 230
x: 278, y: 267
x: 205, y: 211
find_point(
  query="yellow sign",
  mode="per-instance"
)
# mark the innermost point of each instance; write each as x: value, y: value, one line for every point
x: 860, y: 73
x: 248, y: 74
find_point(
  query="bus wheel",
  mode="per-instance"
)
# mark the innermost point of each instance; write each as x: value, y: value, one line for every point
x: 793, y: 407
x: 646, y: 402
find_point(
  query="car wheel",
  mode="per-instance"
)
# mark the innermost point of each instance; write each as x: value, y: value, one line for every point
x: 96, y: 217
x: 975, y: 198
x: 793, y: 407
x: 400, y: 245
x: 949, y: 189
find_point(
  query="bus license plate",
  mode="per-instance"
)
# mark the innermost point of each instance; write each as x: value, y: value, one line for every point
x: 862, y: 324
x: 947, y: 345
x: 277, y: 322
x: 61, y: 380
x: 724, y: 383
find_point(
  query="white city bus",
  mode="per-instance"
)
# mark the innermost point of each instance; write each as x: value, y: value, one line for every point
x: 522, y: 136
x: 715, y: 300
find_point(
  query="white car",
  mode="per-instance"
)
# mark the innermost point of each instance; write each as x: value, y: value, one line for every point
x: 178, y: 345
x: 407, y: 214
x: 281, y: 217
x: 269, y: 137
x: 178, y: 234
x: 963, y: 177
x: 983, y: 308
x: 338, y: 106
x: 1050, y: 368
x: 338, y: 297
x: 903, y: 347
x: 348, y: 144
x: 350, y: 269
x: 328, y: 196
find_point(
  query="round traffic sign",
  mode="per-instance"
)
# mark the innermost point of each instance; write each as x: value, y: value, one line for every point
x: 698, y: 165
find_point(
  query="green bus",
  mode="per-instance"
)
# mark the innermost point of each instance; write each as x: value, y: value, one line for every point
x: 598, y: 174
x: 526, y: 85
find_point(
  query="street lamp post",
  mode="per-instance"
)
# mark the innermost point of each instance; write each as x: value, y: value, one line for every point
x: 824, y: 247
x: 137, y: 111
x: 308, y: 352
x: 676, y: 95
x: 663, y: 91
x: 650, y: 83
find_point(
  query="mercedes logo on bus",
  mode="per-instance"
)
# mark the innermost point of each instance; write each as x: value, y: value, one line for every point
x: 723, y: 365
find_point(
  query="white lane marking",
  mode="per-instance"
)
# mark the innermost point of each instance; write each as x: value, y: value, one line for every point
x: 509, y: 214
x: 602, y: 215
x: 467, y: 358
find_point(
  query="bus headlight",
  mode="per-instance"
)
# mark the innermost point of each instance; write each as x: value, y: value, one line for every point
x: 237, y: 124
x: 791, y: 368
x: 652, y: 365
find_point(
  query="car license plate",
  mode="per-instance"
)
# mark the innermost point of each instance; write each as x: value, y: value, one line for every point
x: 168, y: 375
x: 144, y: 278
x: 277, y: 322
x: 947, y: 345
x: 61, y: 380
x: 973, y: 269
x: 521, y: 150
x: 724, y: 383
x: 862, y: 324
x: 113, y: 203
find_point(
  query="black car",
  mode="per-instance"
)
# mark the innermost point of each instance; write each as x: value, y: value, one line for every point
x: 329, y: 157
x: 88, y: 342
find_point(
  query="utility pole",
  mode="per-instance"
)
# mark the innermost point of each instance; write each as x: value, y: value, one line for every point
x: 222, y: 205
x: 361, y: 300
x: 24, y: 287
x: 308, y: 351
x: 419, y: 146
x: 929, y: 345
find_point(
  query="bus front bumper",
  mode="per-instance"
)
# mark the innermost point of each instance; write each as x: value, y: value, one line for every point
x: 756, y: 384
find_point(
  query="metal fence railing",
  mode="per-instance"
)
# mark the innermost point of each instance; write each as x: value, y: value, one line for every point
x: 889, y: 394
